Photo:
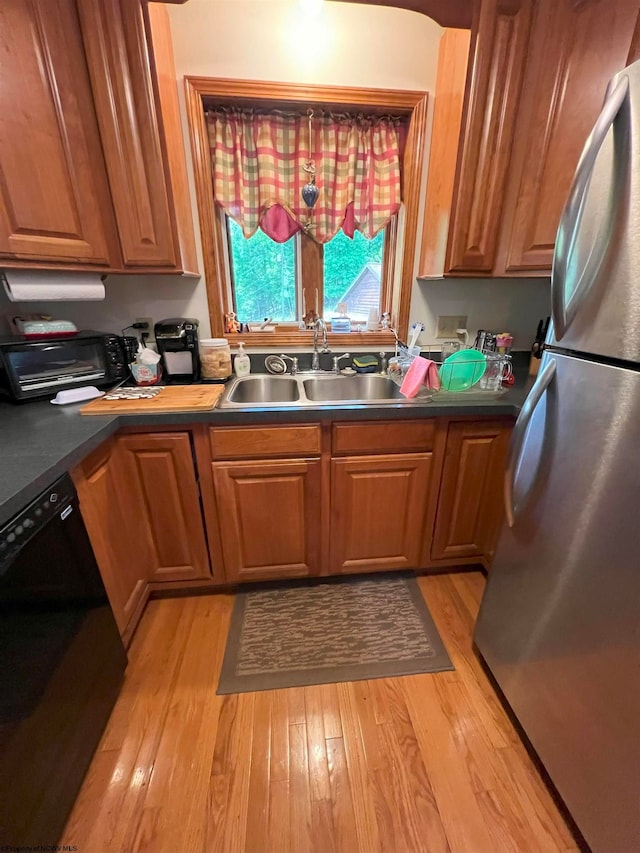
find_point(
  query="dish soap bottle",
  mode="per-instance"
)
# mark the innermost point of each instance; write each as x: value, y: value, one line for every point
x: 242, y: 362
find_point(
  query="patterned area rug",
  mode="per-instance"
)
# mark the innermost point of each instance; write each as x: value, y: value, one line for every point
x: 328, y: 631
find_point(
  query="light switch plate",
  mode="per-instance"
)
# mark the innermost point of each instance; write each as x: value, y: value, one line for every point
x: 447, y: 326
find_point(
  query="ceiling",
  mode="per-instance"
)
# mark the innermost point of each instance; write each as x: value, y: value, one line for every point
x: 448, y: 13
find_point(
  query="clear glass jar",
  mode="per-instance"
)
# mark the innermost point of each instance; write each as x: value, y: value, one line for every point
x: 215, y: 358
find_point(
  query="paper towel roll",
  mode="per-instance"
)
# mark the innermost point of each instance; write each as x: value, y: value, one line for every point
x: 36, y: 286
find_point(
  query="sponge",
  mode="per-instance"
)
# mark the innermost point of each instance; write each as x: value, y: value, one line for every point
x: 365, y: 363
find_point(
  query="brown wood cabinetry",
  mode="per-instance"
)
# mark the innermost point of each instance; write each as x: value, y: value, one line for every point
x: 453, y: 60
x: 578, y: 47
x: 495, y: 76
x: 470, y: 507
x: 54, y: 197
x: 369, y: 496
x: 116, y: 49
x: 129, y: 109
x: 536, y: 80
x: 378, y: 511
x: 108, y: 507
x: 164, y: 497
x: 257, y: 442
x: 91, y: 151
x: 269, y: 518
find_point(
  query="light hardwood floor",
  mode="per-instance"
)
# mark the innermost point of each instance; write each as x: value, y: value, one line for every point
x: 419, y: 763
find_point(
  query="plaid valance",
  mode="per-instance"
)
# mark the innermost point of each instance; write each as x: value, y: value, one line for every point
x: 258, y: 175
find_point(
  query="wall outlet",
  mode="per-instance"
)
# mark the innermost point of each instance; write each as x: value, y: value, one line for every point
x: 446, y: 326
x: 150, y: 332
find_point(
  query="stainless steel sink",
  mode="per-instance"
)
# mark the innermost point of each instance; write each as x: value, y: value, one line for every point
x: 367, y: 387
x: 263, y: 390
x: 312, y: 391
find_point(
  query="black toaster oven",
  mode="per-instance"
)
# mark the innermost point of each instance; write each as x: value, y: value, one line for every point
x: 31, y: 369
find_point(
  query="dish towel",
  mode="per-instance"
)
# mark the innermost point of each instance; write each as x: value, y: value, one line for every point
x: 423, y: 371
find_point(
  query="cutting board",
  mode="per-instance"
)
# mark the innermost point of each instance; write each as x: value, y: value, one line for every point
x: 174, y: 398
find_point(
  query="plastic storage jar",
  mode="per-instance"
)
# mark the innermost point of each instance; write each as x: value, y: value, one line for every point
x: 215, y: 358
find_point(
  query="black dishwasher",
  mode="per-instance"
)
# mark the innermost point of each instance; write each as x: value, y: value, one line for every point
x: 61, y: 665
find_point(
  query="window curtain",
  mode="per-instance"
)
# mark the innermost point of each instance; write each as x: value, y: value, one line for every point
x: 258, y: 175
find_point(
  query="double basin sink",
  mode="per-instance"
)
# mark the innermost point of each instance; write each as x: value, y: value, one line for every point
x: 311, y: 391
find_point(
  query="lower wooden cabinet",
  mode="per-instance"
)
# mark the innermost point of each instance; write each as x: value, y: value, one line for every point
x: 370, y: 496
x: 109, y: 511
x: 268, y: 518
x: 378, y: 511
x: 470, y: 506
x: 162, y: 485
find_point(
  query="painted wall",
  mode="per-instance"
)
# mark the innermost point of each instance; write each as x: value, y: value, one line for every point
x: 498, y: 304
x: 345, y: 44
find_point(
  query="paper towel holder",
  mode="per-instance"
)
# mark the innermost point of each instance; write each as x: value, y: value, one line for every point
x: 52, y: 285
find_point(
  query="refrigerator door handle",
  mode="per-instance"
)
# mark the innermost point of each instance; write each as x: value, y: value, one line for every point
x: 572, y: 214
x: 526, y: 413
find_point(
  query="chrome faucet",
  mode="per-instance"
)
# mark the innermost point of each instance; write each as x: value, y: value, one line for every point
x: 315, y: 360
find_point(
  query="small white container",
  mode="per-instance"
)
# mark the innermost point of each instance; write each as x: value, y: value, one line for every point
x: 242, y: 362
x: 373, y: 323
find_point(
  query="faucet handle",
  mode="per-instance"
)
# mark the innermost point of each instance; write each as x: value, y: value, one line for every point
x: 337, y: 359
x: 294, y: 363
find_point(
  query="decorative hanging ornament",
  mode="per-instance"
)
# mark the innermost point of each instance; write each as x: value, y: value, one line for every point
x: 310, y: 191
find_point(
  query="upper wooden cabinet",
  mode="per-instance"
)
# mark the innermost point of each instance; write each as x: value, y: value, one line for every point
x: 116, y: 48
x: 536, y: 80
x: 54, y: 197
x: 560, y: 100
x: 495, y: 77
x: 131, y: 125
x: 91, y: 151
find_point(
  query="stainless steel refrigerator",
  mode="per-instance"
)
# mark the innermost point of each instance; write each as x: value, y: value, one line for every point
x: 559, y: 624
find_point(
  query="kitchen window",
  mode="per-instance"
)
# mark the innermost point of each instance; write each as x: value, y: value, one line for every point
x: 280, y: 282
x: 309, y: 264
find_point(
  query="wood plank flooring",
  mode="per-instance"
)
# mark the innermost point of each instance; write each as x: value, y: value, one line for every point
x: 419, y: 763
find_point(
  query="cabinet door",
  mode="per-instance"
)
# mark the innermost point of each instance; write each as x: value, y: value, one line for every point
x: 562, y: 94
x: 108, y: 511
x: 269, y: 518
x: 493, y: 89
x: 470, y: 509
x: 54, y: 198
x: 378, y: 510
x: 118, y: 59
x: 161, y: 480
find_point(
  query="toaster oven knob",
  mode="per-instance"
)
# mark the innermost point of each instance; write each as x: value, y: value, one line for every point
x: 28, y: 523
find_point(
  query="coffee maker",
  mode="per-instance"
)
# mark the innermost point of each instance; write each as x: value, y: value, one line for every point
x: 177, y: 342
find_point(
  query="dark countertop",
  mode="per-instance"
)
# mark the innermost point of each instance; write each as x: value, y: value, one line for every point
x: 39, y: 442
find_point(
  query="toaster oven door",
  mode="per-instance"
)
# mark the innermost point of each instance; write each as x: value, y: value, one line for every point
x: 37, y: 369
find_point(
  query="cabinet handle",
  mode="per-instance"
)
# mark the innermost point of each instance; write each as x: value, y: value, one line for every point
x: 524, y: 418
x: 574, y: 208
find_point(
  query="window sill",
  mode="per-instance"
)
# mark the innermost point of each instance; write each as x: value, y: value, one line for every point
x: 296, y: 338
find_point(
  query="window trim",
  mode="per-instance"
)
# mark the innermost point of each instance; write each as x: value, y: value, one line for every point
x: 201, y: 90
